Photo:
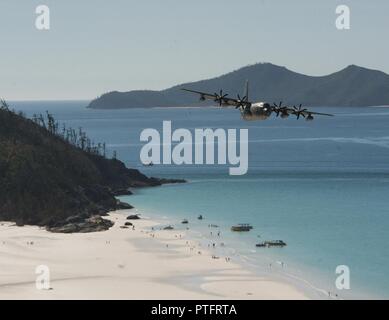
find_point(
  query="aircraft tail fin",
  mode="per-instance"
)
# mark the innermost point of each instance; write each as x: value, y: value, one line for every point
x: 246, y: 90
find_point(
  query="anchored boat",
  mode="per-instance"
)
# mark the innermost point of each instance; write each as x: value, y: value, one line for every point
x: 241, y: 227
x: 271, y: 243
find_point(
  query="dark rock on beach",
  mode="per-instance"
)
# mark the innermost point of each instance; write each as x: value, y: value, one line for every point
x: 92, y: 224
x: 123, y: 206
x: 75, y: 219
x: 133, y: 217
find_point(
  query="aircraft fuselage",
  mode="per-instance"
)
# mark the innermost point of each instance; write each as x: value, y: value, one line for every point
x: 256, y: 111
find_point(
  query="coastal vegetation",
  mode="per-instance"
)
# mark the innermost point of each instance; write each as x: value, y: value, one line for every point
x: 57, y: 177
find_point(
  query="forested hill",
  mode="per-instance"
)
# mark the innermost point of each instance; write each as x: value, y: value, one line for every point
x: 51, y: 176
x: 351, y: 86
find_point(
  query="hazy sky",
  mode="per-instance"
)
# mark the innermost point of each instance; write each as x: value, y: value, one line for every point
x: 97, y: 46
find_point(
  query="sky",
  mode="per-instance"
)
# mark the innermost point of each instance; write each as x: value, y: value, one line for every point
x: 96, y: 46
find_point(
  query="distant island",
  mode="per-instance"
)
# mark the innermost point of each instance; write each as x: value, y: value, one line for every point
x: 352, y: 86
x: 56, y: 177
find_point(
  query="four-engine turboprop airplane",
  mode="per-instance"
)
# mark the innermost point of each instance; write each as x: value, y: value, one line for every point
x: 257, y: 110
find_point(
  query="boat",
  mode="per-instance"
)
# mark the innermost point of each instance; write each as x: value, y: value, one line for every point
x: 241, y: 227
x: 184, y: 221
x: 271, y: 243
x: 261, y: 244
x: 168, y: 228
x: 148, y: 164
x: 200, y: 217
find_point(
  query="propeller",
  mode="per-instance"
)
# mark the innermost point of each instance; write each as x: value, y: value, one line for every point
x: 299, y: 111
x: 279, y: 109
x: 277, y: 105
x: 220, y: 97
x: 241, y: 102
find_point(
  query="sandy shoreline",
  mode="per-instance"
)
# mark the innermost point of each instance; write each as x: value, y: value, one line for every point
x: 124, y: 264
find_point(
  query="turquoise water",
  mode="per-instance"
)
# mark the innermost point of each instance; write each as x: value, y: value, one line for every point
x: 321, y: 186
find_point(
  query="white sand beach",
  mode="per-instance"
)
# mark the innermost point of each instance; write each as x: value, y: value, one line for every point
x: 124, y: 264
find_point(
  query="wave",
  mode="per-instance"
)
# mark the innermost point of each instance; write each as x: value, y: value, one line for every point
x: 376, y: 141
x: 382, y: 142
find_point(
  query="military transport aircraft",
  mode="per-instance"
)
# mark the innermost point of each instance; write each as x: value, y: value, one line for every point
x: 257, y: 110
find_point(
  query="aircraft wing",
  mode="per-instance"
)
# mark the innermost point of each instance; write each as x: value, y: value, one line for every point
x: 203, y: 94
x: 223, y: 99
x: 296, y: 111
x: 318, y: 113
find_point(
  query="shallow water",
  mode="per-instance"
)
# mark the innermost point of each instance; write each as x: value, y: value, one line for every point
x: 321, y: 186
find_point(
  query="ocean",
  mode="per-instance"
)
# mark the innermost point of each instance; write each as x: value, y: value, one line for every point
x: 321, y: 186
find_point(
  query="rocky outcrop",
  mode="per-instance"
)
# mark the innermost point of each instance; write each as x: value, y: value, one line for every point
x: 49, y: 181
x: 133, y: 217
x: 78, y: 224
x: 123, y: 205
